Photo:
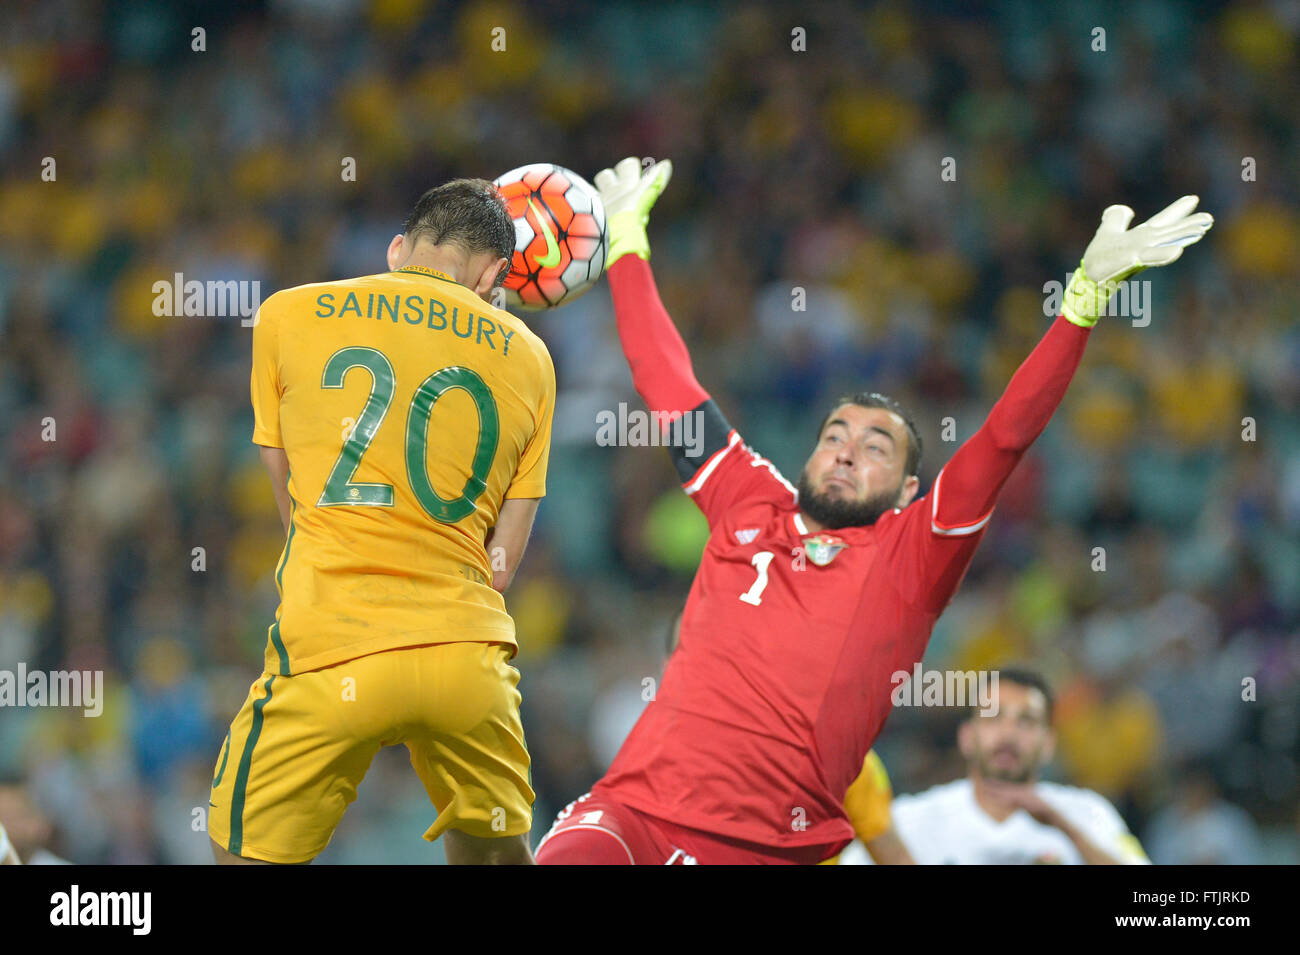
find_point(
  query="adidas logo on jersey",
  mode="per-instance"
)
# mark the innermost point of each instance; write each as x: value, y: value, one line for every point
x: 747, y: 536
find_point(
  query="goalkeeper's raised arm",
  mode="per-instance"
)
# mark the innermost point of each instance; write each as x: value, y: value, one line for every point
x: 965, y: 491
x: 660, y: 363
x: 715, y: 468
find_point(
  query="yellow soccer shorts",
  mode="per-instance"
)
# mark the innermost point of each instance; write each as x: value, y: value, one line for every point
x: 301, y: 745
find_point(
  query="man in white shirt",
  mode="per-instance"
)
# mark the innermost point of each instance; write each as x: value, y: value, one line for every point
x: 1000, y: 814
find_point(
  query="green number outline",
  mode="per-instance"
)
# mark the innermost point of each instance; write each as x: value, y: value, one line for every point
x: 441, y: 509
x: 339, y: 489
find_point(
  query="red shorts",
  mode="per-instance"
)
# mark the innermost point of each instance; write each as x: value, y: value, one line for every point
x: 596, y: 830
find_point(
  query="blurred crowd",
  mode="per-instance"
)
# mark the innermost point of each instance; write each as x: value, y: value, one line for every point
x: 210, y: 139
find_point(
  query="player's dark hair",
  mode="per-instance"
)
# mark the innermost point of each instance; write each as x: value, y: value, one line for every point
x: 465, y: 212
x: 872, y: 399
x: 1030, y: 679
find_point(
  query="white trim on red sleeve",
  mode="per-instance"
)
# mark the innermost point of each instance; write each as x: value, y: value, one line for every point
x: 755, y: 461
x: 758, y: 461
x: 708, y: 467
x: 956, y: 530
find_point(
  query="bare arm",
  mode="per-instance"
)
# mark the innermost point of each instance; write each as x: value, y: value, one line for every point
x: 1092, y: 853
x: 888, y: 849
x: 277, y: 466
x: 506, y: 541
x: 1024, y: 796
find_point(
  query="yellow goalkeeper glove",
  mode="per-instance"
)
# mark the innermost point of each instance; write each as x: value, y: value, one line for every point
x: 1117, y: 252
x: 628, y: 192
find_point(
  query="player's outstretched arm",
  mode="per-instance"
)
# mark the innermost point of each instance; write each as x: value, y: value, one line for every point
x: 967, y: 488
x: 716, y: 469
x: 660, y: 363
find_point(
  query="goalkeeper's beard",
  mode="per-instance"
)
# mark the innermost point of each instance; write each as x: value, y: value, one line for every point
x: 836, y: 512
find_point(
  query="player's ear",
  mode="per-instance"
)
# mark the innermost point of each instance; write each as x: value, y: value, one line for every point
x: 488, y: 280
x: 911, y: 485
x: 395, y: 249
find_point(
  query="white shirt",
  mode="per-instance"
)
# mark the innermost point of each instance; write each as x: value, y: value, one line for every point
x: 946, y: 826
x: 5, y: 846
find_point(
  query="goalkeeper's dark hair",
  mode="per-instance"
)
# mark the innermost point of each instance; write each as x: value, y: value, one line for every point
x: 873, y: 399
x: 469, y: 213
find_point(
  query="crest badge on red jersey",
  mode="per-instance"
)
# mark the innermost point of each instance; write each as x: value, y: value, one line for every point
x: 822, y: 548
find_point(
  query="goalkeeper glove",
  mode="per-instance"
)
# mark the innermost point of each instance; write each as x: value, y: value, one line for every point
x: 1117, y: 252
x: 628, y: 192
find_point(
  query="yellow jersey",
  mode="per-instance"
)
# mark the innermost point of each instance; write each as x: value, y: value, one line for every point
x: 409, y: 410
x: 867, y: 802
x: 868, y: 798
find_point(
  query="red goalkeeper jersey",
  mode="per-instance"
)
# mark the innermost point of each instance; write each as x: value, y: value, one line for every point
x: 782, y: 676
x: 789, y: 641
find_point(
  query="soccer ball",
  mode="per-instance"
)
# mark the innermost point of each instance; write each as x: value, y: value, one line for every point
x: 560, y: 237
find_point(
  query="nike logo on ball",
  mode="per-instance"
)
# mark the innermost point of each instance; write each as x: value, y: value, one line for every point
x: 552, y: 256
